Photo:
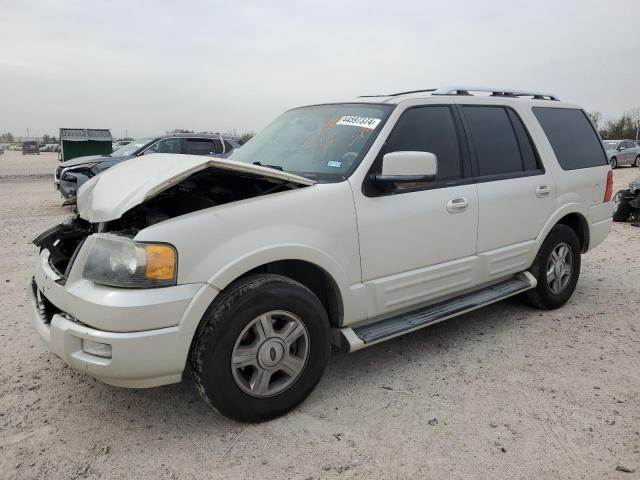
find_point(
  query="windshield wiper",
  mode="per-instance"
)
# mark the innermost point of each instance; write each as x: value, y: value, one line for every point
x: 275, y: 167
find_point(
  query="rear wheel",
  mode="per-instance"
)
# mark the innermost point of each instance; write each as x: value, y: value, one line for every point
x: 621, y: 208
x: 613, y: 162
x: 556, y: 268
x: 261, y: 349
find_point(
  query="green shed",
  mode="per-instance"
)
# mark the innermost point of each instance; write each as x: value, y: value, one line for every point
x: 80, y: 142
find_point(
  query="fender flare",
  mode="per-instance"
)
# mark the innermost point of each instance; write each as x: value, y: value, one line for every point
x: 567, y: 209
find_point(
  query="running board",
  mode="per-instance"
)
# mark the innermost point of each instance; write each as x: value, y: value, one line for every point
x: 372, y: 333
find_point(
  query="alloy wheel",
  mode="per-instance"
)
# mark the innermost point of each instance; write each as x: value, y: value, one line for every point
x: 270, y: 353
x: 559, y: 268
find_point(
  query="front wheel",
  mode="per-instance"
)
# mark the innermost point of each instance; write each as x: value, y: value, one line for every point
x: 556, y: 268
x: 636, y: 162
x: 613, y: 162
x: 261, y: 348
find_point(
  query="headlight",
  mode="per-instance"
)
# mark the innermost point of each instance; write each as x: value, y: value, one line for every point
x: 122, y: 262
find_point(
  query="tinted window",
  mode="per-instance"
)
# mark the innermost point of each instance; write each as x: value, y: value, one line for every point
x: 528, y: 153
x: 572, y: 137
x: 228, y: 147
x: 202, y: 146
x: 429, y: 129
x: 494, y: 139
x: 166, y: 145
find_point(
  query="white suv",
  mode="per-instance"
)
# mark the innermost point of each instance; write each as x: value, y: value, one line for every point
x: 346, y: 223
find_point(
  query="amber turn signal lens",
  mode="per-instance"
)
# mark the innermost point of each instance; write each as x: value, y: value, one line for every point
x: 161, y: 262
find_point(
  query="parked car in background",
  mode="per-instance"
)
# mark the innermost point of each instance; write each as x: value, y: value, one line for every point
x: 351, y: 223
x: 622, y: 152
x: 1, y: 150
x: 70, y: 175
x: 49, y: 147
x: 30, y: 148
x: 627, y: 203
x: 120, y: 144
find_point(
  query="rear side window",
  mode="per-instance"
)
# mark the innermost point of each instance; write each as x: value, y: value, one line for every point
x: 574, y: 141
x: 429, y: 129
x: 203, y: 146
x: 501, y: 143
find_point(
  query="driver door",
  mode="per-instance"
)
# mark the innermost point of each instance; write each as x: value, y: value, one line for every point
x: 418, y: 241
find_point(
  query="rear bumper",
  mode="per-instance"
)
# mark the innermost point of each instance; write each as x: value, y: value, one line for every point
x: 600, y: 221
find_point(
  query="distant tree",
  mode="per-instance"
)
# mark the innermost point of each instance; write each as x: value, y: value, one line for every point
x: 625, y: 126
x: 7, y: 137
x: 47, y: 139
x: 179, y: 130
x: 245, y: 137
x: 596, y: 118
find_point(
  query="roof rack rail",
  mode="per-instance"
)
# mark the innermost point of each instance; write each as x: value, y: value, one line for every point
x: 426, y: 90
x: 495, y: 92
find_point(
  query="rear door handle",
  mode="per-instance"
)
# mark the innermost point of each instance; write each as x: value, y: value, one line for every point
x: 543, y: 191
x: 457, y: 205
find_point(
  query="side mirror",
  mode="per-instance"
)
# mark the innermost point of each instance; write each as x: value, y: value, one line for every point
x: 408, y: 167
x: 620, y: 148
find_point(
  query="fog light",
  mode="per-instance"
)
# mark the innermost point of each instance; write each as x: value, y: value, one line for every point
x: 98, y: 349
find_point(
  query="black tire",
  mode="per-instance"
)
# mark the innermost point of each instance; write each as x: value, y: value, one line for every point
x: 623, y: 209
x: 613, y: 161
x: 224, y: 323
x: 542, y: 296
x: 636, y: 162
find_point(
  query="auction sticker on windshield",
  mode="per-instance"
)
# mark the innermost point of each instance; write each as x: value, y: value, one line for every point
x: 362, y: 122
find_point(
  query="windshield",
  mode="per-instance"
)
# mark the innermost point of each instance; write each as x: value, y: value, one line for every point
x: 131, y: 148
x: 610, y: 145
x: 322, y: 142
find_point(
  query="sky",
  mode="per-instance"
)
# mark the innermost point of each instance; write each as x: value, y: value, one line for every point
x: 145, y: 67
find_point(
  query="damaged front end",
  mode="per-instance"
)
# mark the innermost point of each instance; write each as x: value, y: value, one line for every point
x: 63, y: 242
x: 204, y: 189
x: 136, y: 206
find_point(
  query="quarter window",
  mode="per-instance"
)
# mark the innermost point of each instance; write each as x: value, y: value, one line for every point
x: 572, y: 136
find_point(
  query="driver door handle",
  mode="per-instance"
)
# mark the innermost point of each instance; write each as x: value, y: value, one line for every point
x: 457, y: 205
x: 543, y: 191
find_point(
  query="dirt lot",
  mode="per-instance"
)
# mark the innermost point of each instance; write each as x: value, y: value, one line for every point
x: 506, y: 392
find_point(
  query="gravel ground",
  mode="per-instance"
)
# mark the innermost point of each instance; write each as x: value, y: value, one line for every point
x: 505, y: 392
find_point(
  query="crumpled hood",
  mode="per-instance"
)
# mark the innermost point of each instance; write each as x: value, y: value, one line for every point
x: 88, y: 159
x: 107, y: 196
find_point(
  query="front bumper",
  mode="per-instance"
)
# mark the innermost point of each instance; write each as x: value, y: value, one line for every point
x: 149, y: 330
x: 138, y: 359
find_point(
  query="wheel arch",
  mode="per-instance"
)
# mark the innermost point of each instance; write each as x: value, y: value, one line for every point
x: 572, y: 216
x: 578, y: 223
x: 310, y: 267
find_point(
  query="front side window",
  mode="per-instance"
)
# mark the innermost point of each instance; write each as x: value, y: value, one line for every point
x: 572, y: 136
x: 166, y: 145
x: 322, y: 142
x: 429, y: 129
x: 131, y: 148
x: 494, y: 139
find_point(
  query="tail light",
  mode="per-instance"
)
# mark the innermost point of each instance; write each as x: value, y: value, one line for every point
x: 609, y: 190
